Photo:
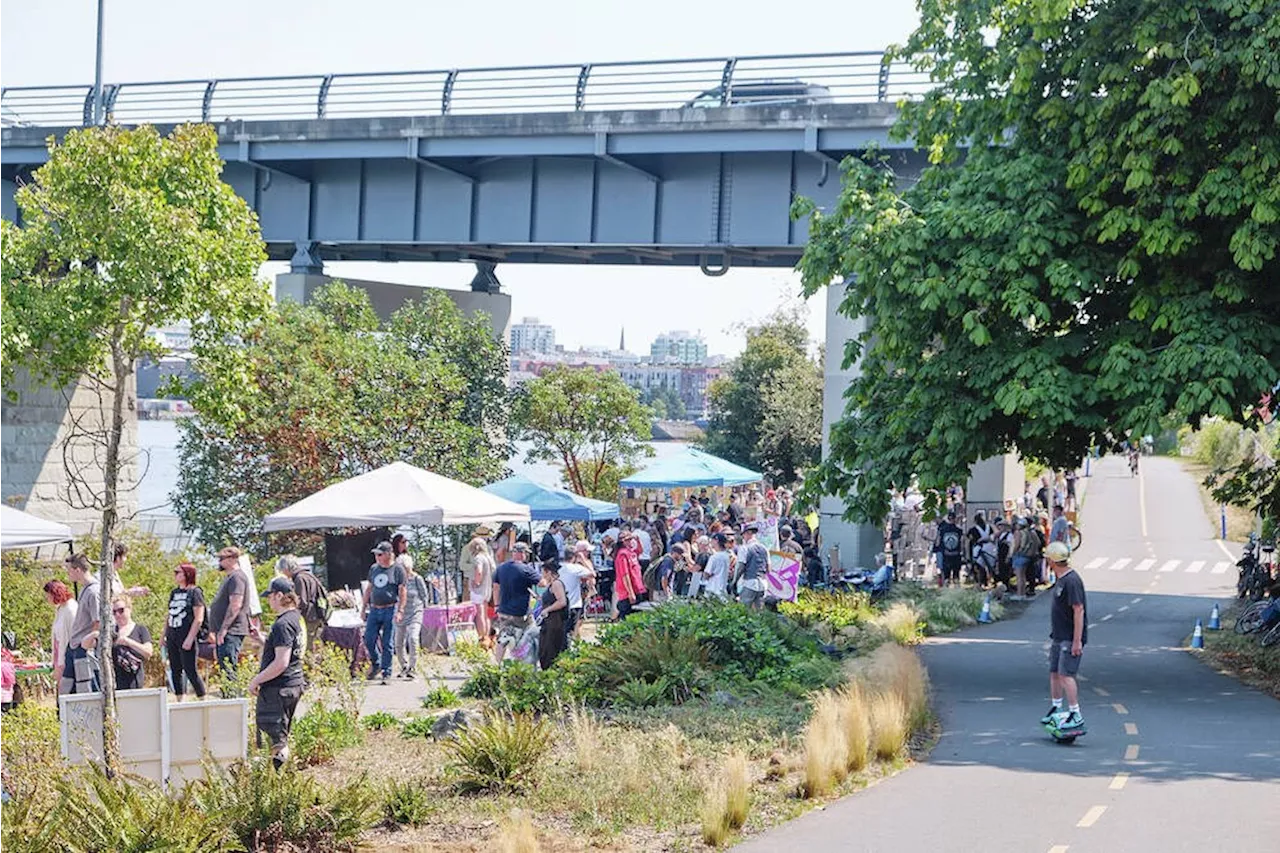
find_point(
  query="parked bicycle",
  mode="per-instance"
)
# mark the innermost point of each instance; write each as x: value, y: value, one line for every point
x: 1254, y: 575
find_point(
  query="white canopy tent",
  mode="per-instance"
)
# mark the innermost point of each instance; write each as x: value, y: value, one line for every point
x: 20, y: 529
x: 395, y: 495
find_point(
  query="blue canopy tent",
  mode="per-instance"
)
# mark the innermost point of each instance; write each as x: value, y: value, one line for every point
x: 548, y: 504
x: 693, y: 467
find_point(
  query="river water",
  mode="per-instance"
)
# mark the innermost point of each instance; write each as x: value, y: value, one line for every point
x: 159, y: 440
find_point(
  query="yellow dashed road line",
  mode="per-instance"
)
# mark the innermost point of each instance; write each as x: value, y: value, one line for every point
x: 1100, y: 691
x: 1131, y: 728
x: 1119, y: 709
x: 1131, y: 752
x: 1118, y: 782
x: 1091, y: 817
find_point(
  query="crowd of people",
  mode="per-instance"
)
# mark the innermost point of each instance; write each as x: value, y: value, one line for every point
x: 612, y: 569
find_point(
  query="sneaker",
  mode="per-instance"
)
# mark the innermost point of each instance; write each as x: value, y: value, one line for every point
x: 1071, y: 720
x: 1050, y: 715
x: 386, y: 678
x: 373, y: 673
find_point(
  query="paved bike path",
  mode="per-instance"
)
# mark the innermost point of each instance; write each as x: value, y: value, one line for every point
x: 1178, y: 757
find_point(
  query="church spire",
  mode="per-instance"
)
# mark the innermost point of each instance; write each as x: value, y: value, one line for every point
x: 622, y: 340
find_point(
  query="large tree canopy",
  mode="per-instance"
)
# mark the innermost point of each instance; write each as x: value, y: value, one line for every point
x: 1104, y: 253
x: 336, y: 393
x: 767, y: 408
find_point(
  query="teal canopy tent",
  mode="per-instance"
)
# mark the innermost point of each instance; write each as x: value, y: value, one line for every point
x: 693, y: 467
x: 549, y: 504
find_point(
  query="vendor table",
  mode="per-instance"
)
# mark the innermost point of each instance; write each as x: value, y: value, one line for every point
x: 441, y: 625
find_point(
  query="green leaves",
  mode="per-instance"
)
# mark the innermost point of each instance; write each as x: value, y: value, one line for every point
x: 1110, y: 261
x: 590, y: 423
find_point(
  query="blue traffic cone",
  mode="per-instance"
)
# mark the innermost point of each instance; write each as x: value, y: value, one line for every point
x: 985, y: 615
x: 1197, y: 636
x: 1215, y: 622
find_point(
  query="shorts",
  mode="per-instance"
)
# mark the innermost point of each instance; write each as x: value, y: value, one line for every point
x: 571, y: 623
x: 1061, y: 660
x: 510, y: 628
x: 275, y: 713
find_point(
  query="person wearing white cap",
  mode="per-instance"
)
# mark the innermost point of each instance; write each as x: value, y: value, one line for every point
x: 1069, y: 631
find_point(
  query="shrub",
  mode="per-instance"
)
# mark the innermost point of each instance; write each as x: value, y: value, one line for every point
x: 408, y: 803
x: 278, y: 810
x: 737, y: 789
x: 635, y: 693
x: 131, y: 814
x: 738, y: 642
x: 379, y: 720
x: 903, y: 622
x: 856, y: 727
x: 833, y: 609
x: 500, y: 754
x: 517, y: 834
x: 655, y: 655
x: 441, y: 696
x: 889, y: 723
x: 331, y: 680
x: 470, y: 652
x: 484, y: 683
x: 824, y: 748
x: 321, y: 732
x: 713, y: 812
x: 417, y: 727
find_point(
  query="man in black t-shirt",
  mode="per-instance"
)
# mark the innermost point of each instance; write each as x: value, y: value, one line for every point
x: 950, y: 547
x: 1068, y: 633
x: 279, y: 682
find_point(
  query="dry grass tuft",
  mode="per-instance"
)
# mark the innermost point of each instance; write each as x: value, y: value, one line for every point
x: 824, y: 747
x: 738, y: 789
x: 587, y: 736
x: 631, y: 768
x: 889, y: 723
x: 899, y: 670
x: 904, y: 622
x: 714, y: 813
x: 854, y: 721
x: 517, y: 834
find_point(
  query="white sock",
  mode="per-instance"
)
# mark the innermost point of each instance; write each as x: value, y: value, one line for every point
x: 1057, y: 703
x: 1075, y: 709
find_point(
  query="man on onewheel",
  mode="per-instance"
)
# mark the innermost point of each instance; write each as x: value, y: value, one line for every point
x: 1068, y: 634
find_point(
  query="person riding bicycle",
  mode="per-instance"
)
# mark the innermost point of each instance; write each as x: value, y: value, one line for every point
x: 1133, y: 461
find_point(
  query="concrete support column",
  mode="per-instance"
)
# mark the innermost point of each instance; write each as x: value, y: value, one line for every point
x: 848, y: 545
x: 51, y: 455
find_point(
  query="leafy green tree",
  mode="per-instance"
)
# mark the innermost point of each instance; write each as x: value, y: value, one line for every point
x: 1102, y: 257
x: 589, y: 422
x: 336, y: 393
x: 665, y: 402
x: 767, y: 409
x: 123, y: 232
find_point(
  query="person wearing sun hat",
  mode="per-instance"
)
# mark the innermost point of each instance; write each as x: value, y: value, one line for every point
x: 1068, y: 634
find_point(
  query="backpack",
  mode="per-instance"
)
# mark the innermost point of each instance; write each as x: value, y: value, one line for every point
x: 317, y: 609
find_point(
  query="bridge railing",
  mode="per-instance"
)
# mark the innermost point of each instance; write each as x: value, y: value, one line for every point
x: 866, y: 77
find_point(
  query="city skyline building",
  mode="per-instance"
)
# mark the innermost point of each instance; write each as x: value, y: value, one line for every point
x: 679, y: 346
x: 531, y: 335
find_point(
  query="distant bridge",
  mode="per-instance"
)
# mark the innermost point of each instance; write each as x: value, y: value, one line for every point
x: 686, y: 162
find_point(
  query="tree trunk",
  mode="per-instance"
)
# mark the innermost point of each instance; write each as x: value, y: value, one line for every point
x: 120, y: 368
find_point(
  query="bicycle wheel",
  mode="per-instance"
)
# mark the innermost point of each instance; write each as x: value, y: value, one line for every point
x: 1074, y: 538
x: 1251, y: 619
x: 1272, y: 636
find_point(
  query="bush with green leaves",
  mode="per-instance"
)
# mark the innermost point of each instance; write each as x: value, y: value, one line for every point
x: 320, y: 733
x: 379, y: 720
x: 522, y: 688
x: 834, y: 609
x: 408, y: 803
x: 441, y: 696
x: 499, y: 755
x: 653, y: 655
x: 417, y: 727
x: 637, y: 693
x: 285, y: 810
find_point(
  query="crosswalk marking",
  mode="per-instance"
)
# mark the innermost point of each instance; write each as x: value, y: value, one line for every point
x: 1196, y: 566
x: 1097, y: 563
x: 1221, y: 567
x: 1120, y: 564
x: 1144, y: 566
x: 1158, y: 565
x: 1170, y: 565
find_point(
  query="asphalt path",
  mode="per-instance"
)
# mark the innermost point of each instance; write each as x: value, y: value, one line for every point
x: 1177, y: 758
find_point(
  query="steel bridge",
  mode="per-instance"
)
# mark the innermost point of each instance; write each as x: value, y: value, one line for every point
x: 689, y: 162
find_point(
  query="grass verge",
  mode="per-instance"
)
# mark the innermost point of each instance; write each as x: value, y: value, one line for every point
x: 1240, y: 522
x: 1242, y: 657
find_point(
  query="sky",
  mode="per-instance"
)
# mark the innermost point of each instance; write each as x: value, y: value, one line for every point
x: 51, y: 42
